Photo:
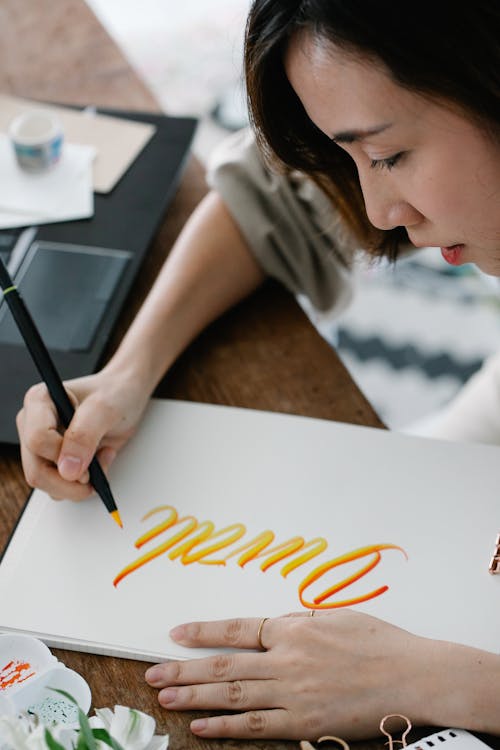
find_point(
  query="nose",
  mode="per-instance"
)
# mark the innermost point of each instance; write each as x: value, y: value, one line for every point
x: 385, y: 206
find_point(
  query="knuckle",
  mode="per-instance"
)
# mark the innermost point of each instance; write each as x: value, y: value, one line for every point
x: 32, y: 476
x: 235, y: 693
x: 313, y: 724
x: 77, y: 435
x: 256, y: 721
x: 193, y: 632
x: 234, y: 632
x: 225, y: 726
x: 36, y: 442
x: 172, y: 671
x: 188, y: 695
x: 221, y: 666
x: 298, y: 662
x: 298, y: 627
x: 107, y: 409
x: 34, y: 393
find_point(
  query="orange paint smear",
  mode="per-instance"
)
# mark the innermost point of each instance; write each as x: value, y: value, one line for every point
x: 14, y: 673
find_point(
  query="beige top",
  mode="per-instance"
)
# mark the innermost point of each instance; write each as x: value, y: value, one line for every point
x: 297, y: 238
x: 288, y: 223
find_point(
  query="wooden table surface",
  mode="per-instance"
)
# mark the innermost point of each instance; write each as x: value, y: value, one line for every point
x: 264, y: 354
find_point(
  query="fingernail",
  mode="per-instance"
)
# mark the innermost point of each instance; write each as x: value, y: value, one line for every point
x: 153, y: 675
x: 178, y: 633
x: 69, y: 467
x: 198, y: 725
x: 167, y: 696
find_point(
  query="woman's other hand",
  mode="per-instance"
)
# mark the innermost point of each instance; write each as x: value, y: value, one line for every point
x: 336, y: 673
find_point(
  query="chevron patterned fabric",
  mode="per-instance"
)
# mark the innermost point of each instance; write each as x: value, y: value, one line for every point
x: 416, y: 332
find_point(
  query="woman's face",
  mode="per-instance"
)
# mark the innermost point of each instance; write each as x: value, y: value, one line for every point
x: 420, y: 164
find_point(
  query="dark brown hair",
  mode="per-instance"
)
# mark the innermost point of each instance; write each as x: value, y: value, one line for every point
x: 444, y: 49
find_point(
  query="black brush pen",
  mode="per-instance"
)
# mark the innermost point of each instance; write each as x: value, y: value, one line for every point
x: 50, y: 376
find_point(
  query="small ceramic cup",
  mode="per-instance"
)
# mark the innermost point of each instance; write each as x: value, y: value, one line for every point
x: 37, y: 137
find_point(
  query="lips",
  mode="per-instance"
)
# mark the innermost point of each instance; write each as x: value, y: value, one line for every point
x: 452, y: 254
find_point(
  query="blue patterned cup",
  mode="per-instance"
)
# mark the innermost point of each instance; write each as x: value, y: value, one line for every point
x: 37, y: 137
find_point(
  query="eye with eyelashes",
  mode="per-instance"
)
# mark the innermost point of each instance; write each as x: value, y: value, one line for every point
x: 388, y: 163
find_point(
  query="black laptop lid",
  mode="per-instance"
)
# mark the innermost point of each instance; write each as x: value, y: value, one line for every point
x: 125, y: 220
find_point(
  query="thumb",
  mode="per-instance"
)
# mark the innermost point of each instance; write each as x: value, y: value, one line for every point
x: 81, y: 440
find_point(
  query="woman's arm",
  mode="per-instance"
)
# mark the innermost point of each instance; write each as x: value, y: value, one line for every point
x: 209, y: 269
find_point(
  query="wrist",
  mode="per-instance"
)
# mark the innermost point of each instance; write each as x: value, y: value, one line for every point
x: 141, y: 368
x: 457, y: 686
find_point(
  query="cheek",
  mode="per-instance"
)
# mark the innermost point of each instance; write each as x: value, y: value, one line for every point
x: 460, y: 189
x: 436, y: 197
x: 445, y: 195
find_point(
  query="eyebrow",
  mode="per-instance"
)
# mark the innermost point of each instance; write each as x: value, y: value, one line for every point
x: 351, y: 136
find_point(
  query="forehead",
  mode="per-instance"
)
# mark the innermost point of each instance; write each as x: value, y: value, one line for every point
x: 342, y: 90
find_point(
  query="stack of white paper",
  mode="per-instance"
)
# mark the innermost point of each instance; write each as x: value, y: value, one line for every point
x: 64, y: 192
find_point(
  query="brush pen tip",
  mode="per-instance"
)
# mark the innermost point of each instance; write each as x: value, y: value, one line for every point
x: 116, y: 517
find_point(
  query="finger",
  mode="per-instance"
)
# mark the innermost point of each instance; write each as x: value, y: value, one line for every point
x: 38, y: 444
x: 238, y: 695
x: 81, y: 439
x: 37, y: 424
x: 37, y: 395
x: 273, y: 724
x: 220, y: 668
x: 45, y: 476
x: 59, y: 489
x: 106, y: 456
x: 237, y: 633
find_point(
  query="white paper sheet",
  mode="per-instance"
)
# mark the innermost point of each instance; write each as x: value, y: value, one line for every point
x: 352, y: 486
x: 60, y: 194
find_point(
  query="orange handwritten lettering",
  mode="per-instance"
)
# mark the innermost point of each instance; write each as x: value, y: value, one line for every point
x: 197, y: 541
x: 314, y: 575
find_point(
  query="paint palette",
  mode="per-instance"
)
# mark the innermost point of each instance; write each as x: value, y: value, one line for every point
x: 29, y: 673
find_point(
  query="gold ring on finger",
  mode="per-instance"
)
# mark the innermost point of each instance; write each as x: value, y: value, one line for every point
x: 259, y: 634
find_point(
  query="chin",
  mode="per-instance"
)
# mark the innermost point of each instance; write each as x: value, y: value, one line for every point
x: 490, y: 268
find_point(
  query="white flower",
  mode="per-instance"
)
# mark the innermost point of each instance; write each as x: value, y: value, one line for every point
x: 25, y: 733
x: 132, y: 729
x: 66, y: 737
x: 13, y: 733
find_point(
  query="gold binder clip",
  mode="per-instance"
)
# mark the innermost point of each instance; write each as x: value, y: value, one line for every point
x: 495, y: 560
x: 392, y: 741
x: 306, y: 745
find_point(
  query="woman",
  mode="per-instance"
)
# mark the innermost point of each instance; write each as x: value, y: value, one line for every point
x: 394, y: 113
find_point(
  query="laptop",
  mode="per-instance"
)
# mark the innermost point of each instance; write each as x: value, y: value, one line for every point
x: 75, y: 276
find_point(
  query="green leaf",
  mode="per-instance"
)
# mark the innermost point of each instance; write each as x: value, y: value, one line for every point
x: 104, y: 736
x: 135, y: 719
x: 51, y: 743
x: 86, y: 732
